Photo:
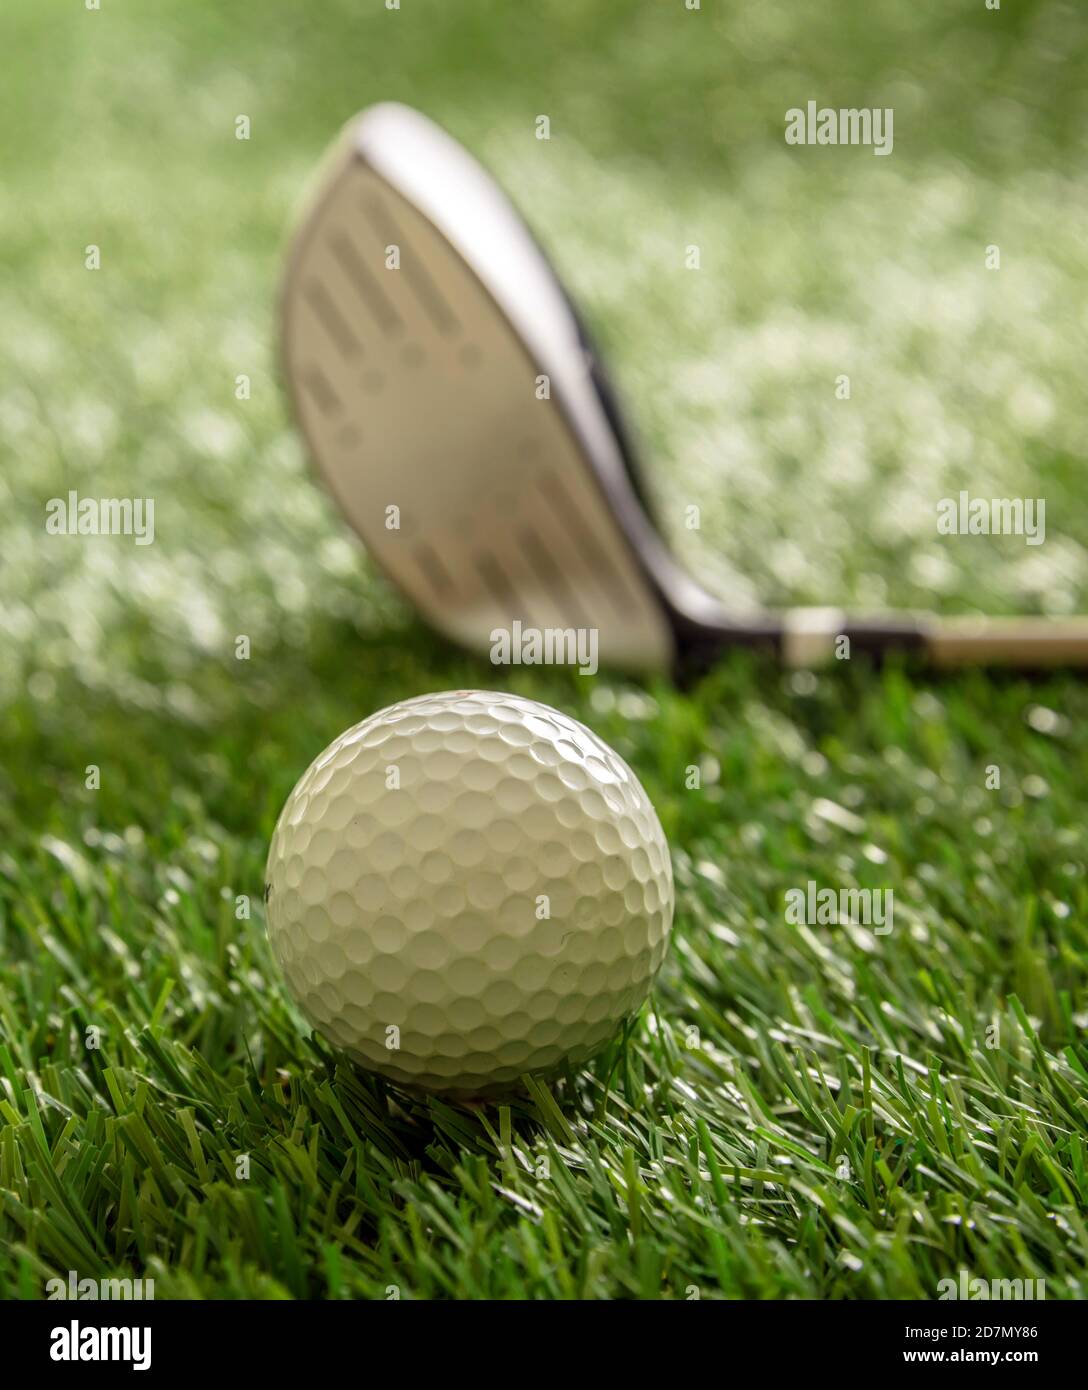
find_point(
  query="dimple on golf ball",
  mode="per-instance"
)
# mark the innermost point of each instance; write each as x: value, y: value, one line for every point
x: 468, y: 886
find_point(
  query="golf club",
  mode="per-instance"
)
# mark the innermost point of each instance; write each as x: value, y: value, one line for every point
x: 456, y: 409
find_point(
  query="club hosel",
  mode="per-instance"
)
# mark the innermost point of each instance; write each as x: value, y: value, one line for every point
x: 814, y: 637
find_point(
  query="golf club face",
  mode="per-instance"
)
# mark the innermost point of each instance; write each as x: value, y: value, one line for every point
x: 450, y: 400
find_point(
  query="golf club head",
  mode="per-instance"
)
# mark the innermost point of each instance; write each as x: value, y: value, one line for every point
x: 451, y: 401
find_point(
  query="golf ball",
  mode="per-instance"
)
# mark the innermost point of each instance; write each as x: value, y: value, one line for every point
x: 468, y: 886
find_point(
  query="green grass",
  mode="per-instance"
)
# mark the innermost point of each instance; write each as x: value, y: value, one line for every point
x: 811, y: 1112
x: 836, y: 1124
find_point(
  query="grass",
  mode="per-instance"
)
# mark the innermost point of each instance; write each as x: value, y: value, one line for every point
x: 803, y: 1112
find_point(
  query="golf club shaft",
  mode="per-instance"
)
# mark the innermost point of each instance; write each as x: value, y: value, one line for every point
x: 816, y: 636
x: 1023, y: 642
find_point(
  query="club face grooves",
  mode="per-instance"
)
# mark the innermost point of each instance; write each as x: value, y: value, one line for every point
x: 366, y: 285
x: 334, y: 323
x: 421, y: 405
x: 443, y: 318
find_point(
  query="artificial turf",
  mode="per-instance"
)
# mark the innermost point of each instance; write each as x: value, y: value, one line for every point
x: 802, y: 1111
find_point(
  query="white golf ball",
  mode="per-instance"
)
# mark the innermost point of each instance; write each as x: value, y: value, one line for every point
x: 468, y: 886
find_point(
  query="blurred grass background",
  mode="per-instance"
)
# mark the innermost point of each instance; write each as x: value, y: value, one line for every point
x: 709, y: 1166
x: 117, y: 129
